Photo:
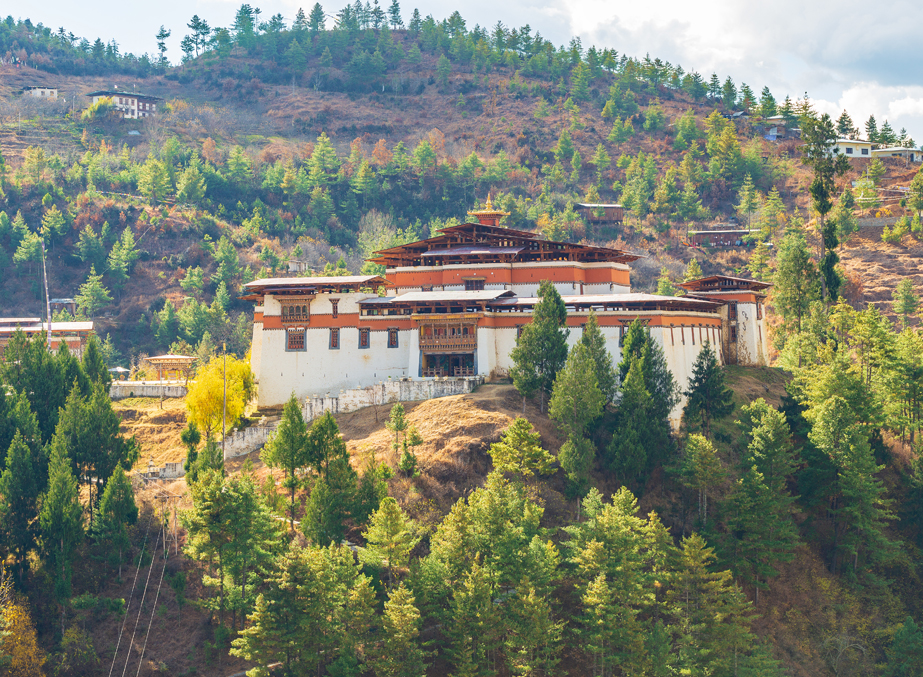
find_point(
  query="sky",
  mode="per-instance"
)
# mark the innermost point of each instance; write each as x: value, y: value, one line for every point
x: 856, y: 55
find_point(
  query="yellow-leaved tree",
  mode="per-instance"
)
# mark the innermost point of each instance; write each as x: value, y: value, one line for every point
x: 20, y: 655
x: 205, y: 401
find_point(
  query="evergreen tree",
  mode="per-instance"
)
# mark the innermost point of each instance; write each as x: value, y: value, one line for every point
x: 905, y: 656
x: 19, y: 487
x: 709, y: 399
x: 94, y: 365
x: 714, y: 616
x: 92, y: 296
x: 60, y: 521
x: 795, y: 280
x: 117, y: 510
x: 332, y: 502
x: 693, y: 271
x: 390, y: 537
x: 628, y: 450
x: 665, y: 286
x: 541, y: 348
x: 905, y: 302
x: 595, y: 344
x: 520, y: 451
x: 844, y: 125
x: 399, y: 653
x: 288, y: 450
x: 767, y: 103
x: 748, y: 200
x: 394, y: 15
x: 576, y: 400
x: 701, y: 470
x: 153, y: 180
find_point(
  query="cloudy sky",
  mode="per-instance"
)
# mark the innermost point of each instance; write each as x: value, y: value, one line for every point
x: 858, y: 55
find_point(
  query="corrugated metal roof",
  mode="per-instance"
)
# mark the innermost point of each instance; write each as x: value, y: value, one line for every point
x: 608, y: 299
x: 307, y: 281
x: 471, y: 250
x: 462, y: 296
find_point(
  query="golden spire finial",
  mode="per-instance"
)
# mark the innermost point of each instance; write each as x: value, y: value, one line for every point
x: 489, y: 203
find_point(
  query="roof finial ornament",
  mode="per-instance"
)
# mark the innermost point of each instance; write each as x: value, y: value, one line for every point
x: 489, y: 205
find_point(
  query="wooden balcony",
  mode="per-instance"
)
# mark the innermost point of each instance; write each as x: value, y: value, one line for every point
x: 454, y: 371
x: 448, y: 344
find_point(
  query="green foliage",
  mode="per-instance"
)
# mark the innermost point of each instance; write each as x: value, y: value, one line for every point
x: 520, y: 451
x: 60, y: 521
x: 708, y: 397
x: 288, y: 450
x: 541, y: 348
x: 576, y: 400
x: 390, y: 537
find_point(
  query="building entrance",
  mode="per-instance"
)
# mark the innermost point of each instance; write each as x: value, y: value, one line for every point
x: 441, y: 364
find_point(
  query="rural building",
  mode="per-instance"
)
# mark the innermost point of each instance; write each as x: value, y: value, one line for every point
x: 131, y: 105
x: 453, y: 306
x: 41, y: 92
x: 912, y: 154
x: 73, y: 334
x: 743, y: 327
x: 777, y: 128
x: 70, y: 305
x: 600, y: 213
x: 854, y: 148
x: 726, y: 237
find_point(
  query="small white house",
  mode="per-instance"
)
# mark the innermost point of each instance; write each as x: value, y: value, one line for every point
x: 854, y: 148
x: 912, y: 154
x: 131, y: 105
x: 41, y: 92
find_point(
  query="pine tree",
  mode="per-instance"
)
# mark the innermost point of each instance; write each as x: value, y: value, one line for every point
x: 19, y: 487
x: 714, y: 616
x: 628, y: 450
x: 905, y: 656
x: 533, y: 635
x: 665, y: 286
x: 541, y: 349
x: 399, y: 653
x: 92, y: 295
x: 595, y: 344
x: 288, y: 450
x: 693, y: 270
x: 60, y: 521
x: 844, y: 125
x: 748, y: 200
x: 520, y: 451
x: 117, y: 510
x: 795, y: 280
x: 332, y: 502
x: 94, y: 364
x: 709, y: 398
x: 390, y: 537
x: 394, y: 15
x: 701, y: 470
x: 153, y: 180
x: 576, y: 400
x: 905, y: 302
x: 601, y: 161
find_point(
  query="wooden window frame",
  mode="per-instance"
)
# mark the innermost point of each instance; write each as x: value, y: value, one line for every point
x: 365, y: 338
x: 291, y: 346
x: 334, y: 338
x: 393, y: 337
x: 334, y: 310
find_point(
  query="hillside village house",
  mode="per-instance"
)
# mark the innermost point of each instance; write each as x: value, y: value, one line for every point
x: 41, y: 92
x: 912, y: 154
x: 456, y: 303
x: 854, y: 148
x: 131, y: 105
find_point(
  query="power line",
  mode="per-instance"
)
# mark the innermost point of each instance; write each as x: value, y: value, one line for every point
x: 143, y: 595
x: 131, y: 595
x: 157, y: 596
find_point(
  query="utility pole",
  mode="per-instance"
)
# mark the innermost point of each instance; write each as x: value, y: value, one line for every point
x: 47, y: 300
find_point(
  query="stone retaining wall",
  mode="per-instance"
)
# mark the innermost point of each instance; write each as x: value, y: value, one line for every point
x: 386, y: 392
x: 119, y: 390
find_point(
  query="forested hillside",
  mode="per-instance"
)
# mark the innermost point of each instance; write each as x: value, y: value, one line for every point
x: 777, y: 531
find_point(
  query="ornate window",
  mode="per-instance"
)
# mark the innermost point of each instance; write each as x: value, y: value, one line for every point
x: 295, y: 340
x: 364, y: 337
x: 334, y: 338
x: 333, y: 304
x: 296, y: 312
x: 392, y: 338
x: 474, y: 285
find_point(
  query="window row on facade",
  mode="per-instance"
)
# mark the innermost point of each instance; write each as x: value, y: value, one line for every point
x: 295, y: 339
